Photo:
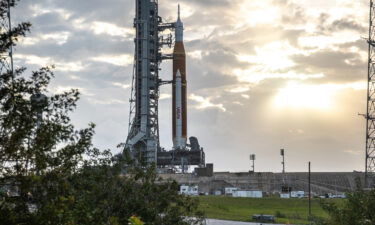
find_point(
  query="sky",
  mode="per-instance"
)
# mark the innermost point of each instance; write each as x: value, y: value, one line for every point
x: 262, y: 75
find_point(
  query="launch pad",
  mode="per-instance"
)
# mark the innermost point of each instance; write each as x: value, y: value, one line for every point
x: 194, y: 156
x: 143, y: 137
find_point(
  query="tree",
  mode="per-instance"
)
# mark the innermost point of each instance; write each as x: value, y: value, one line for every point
x: 357, y: 209
x: 139, y: 192
x: 50, y: 173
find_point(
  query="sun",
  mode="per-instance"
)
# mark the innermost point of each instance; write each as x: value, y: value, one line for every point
x: 303, y: 96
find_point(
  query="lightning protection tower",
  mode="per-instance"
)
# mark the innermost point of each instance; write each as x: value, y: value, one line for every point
x: 6, y: 60
x: 370, y: 114
x: 282, y: 153
x: 143, y: 136
x: 252, y: 159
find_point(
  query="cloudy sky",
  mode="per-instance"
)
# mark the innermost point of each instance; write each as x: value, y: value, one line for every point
x: 262, y: 75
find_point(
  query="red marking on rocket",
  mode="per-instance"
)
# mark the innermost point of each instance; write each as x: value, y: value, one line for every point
x: 179, y: 104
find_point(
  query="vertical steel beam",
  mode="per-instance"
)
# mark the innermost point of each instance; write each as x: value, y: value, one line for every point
x: 309, y: 191
x: 370, y: 114
x: 6, y: 64
x: 6, y: 61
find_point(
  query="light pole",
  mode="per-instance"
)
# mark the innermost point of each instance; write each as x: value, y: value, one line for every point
x: 282, y: 153
x: 252, y: 159
x: 310, y: 189
x: 39, y: 102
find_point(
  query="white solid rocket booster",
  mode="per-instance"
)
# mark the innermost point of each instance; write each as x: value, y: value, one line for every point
x: 179, y: 142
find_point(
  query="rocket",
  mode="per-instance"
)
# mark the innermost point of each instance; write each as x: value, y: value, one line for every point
x: 179, y: 110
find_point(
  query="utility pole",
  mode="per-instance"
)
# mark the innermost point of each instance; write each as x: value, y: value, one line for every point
x: 252, y: 158
x: 282, y: 153
x: 309, y: 190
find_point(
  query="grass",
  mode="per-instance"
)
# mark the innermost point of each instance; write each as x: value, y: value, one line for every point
x: 288, y: 211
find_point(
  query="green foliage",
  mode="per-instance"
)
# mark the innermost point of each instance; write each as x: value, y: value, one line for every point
x: 135, y: 221
x: 357, y: 209
x: 288, y: 211
x: 279, y: 214
x: 50, y: 173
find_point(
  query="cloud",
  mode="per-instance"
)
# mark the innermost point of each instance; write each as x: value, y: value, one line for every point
x: 354, y: 152
x: 239, y: 89
x: 47, y: 61
x: 118, y: 60
x: 255, y: 77
x: 335, y: 65
x: 118, y: 84
x: 241, y: 54
x: 205, y: 103
x: 347, y: 24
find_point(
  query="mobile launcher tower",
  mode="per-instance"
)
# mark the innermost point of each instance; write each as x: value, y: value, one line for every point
x: 143, y: 138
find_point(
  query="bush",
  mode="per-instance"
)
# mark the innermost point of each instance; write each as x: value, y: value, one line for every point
x: 278, y: 214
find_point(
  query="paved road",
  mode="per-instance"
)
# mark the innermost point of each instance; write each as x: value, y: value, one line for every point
x: 227, y: 222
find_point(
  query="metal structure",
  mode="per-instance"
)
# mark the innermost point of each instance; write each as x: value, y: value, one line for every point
x: 143, y: 137
x: 282, y: 153
x: 39, y: 102
x: 252, y: 159
x: 6, y: 60
x: 370, y: 114
x: 309, y: 179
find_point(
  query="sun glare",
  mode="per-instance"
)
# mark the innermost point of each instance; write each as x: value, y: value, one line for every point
x: 296, y: 95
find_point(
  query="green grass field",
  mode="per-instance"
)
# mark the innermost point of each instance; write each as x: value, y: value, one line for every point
x: 289, y: 211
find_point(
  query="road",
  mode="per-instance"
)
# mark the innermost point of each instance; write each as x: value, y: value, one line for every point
x: 227, y: 222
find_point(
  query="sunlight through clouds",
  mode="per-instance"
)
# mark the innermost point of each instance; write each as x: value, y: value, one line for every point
x: 326, y: 41
x: 48, y: 61
x: 110, y: 29
x: 255, y: 77
x: 205, y: 103
x: 298, y: 95
x: 303, y: 61
x: 272, y: 56
x: 257, y: 12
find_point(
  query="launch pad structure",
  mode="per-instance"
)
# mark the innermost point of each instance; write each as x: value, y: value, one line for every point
x: 143, y: 137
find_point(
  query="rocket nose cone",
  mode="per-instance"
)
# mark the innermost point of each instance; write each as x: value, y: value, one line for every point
x: 179, y: 32
x: 178, y: 73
